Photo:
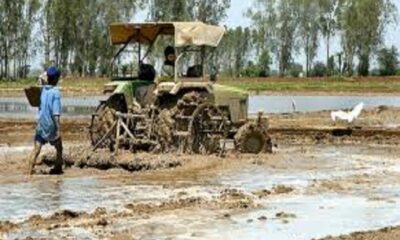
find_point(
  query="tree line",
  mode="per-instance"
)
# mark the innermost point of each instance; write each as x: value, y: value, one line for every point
x: 287, y: 27
x: 70, y: 34
x: 73, y: 34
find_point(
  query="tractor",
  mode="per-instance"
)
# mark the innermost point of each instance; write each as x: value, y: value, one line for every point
x: 186, y: 112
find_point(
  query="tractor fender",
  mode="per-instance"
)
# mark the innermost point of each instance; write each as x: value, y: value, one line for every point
x: 175, y: 90
x: 117, y: 101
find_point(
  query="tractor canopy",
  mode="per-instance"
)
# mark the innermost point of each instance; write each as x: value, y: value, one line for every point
x: 184, y: 33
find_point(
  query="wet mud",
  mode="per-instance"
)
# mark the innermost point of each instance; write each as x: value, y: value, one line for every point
x: 226, y: 199
x: 323, y: 179
x: 241, y: 196
x: 19, y: 132
x: 389, y: 233
x: 85, y: 157
x: 379, y: 125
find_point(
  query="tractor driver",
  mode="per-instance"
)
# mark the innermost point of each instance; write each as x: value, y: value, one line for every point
x: 168, y: 69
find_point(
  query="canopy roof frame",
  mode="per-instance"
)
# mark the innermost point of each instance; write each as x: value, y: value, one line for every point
x: 184, y: 33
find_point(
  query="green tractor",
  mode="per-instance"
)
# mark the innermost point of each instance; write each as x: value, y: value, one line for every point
x: 185, y: 111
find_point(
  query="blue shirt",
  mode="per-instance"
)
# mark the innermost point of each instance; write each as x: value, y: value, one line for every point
x: 50, y: 106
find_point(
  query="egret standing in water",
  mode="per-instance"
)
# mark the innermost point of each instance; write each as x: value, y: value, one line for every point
x: 294, y: 105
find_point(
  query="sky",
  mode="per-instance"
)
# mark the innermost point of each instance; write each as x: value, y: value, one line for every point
x: 236, y: 17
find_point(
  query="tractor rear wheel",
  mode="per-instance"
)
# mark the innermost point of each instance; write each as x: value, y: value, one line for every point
x: 102, y: 121
x: 207, y: 128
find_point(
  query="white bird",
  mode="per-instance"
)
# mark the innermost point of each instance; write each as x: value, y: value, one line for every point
x: 348, y: 116
x: 294, y: 105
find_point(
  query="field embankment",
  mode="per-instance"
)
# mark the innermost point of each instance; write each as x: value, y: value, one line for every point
x: 274, y: 85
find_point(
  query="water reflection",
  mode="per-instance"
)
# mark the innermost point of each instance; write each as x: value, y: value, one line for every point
x: 284, y: 104
x: 13, y: 107
x: 72, y: 107
x: 85, y: 106
x: 19, y: 201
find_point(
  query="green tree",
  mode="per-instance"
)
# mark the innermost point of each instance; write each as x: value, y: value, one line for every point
x: 388, y: 59
x: 241, y: 48
x: 332, y: 67
x: 278, y: 22
x: 167, y: 10
x: 264, y: 62
x: 308, y: 30
x: 75, y: 32
x: 208, y: 11
x: 328, y: 12
x: 319, y: 69
x: 261, y: 52
x: 17, y: 19
x: 363, y: 24
x: 295, y: 69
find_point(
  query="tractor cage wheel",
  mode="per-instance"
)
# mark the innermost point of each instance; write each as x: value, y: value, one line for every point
x: 253, y: 138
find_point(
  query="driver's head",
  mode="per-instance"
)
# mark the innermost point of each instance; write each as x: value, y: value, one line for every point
x: 169, y: 53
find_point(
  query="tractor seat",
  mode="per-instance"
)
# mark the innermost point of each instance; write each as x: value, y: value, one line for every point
x: 195, y: 71
x: 147, y: 72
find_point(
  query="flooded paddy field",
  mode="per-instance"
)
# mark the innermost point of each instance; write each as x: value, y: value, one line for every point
x: 323, y: 179
x: 78, y: 106
x: 297, y: 193
x: 73, y: 107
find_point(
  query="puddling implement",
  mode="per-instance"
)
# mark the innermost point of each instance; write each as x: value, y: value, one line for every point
x: 188, y: 112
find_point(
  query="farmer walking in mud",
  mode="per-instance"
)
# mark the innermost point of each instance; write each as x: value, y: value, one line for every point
x: 48, y: 125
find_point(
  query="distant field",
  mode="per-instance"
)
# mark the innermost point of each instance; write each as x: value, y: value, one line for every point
x: 70, y: 86
x: 94, y: 86
x: 356, y: 85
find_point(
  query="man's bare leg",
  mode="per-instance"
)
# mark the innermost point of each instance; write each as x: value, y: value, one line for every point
x: 59, y: 161
x: 31, y: 161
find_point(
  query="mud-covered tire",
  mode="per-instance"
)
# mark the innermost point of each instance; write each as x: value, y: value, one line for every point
x: 207, y: 128
x: 163, y: 129
x: 102, y: 121
x: 253, y: 138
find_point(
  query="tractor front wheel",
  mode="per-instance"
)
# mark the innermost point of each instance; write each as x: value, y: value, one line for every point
x: 253, y: 138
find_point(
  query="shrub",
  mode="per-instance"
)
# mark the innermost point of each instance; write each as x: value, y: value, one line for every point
x: 319, y: 70
x: 388, y: 61
x: 375, y: 72
x: 332, y: 68
x: 295, y: 70
x: 254, y: 71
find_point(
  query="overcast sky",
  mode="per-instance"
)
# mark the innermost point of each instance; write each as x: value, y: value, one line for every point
x: 236, y: 17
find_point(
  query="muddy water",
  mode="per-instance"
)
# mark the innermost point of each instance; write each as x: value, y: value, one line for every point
x: 17, y: 107
x: 85, y: 106
x: 43, y: 197
x: 368, y: 202
x: 313, y: 217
